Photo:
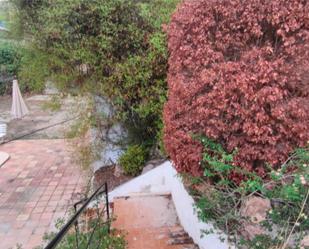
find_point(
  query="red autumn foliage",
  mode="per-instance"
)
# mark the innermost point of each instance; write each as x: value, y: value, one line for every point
x: 239, y: 74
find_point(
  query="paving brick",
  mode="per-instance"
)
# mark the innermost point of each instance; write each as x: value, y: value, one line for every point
x: 31, y: 204
x: 38, y: 210
x: 4, y: 228
x: 44, y: 222
x: 35, y: 216
x: 47, y: 216
x: 23, y: 217
x: 20, y: 189
x: 27, y: 181
x: 33, y: 184
x: 42, y: 202
x: 17, y: 225
x: 54, y: 183
x: 52, y: 204
x: 50, y: 209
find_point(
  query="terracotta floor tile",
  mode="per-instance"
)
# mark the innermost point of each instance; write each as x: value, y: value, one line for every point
x: 29, y: 191
x: 146, y: 221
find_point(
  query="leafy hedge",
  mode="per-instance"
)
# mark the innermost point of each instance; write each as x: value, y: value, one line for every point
x: 10, y: 57
x: 238, y: 75
x: 133, y: 160
x: 33, y: 71
x: 114, y: 48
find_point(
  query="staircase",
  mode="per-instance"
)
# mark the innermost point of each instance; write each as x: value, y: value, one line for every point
x: 147, y: 220
x: 150, y: 222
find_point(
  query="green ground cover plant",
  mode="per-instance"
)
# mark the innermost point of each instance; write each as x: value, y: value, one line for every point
x: 219, y: 200
x: 133, y: 160
x: 54, y: 104
x: 28, y: 65
x: 101, y: 238
x: 10, y: 60
x: 33, y: 71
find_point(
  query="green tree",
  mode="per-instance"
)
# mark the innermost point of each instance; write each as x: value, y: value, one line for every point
x: 113, y: 48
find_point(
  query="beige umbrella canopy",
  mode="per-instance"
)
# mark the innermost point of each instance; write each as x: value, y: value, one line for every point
x: 19, y: 108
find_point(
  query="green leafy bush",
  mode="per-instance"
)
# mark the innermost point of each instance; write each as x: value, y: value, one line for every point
x: 133, y: 160
x: 219, y: 199
x: 113, y: 48
x: 33, y: 71
x: 10, y: 57
x: 29, y: 65
x: 100, y: 238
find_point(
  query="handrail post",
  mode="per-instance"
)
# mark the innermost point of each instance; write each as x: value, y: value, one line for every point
x: 76, y: 228
x: 107, y: 208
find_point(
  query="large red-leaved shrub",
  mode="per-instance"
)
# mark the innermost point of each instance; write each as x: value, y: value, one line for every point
x: 239, y: 74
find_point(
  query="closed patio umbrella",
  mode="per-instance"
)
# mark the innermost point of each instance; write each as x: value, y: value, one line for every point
x: 19, y: 108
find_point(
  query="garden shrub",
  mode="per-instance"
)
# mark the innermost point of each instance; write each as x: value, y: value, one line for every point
x: 98, y: 234
x: 238, y: 74
x: 33, y: 71
x: 28, y: 65
x: 220, y: 201
x: 10, y: 56
x: 8, y: 20
x: 112, y: 48
x: 133, y: 160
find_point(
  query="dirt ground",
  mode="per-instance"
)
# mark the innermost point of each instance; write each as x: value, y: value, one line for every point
x: 39, y: 118
x: 107, y: 174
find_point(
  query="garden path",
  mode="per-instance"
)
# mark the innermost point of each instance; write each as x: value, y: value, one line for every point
x: 38, y: 185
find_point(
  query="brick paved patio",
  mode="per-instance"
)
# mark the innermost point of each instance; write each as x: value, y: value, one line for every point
x: 37, y: 186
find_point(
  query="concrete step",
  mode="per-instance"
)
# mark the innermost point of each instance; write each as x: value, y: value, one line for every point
x: 150, y: 222
x: 142, y: 194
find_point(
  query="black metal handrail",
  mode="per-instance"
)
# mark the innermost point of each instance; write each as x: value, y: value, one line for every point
x: 74, y: 219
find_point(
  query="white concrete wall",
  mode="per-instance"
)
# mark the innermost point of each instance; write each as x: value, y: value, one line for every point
x: 163, y: 180
x: 152, y: 182
x: 184, y: 205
